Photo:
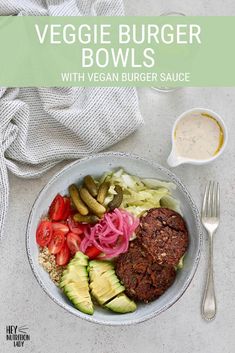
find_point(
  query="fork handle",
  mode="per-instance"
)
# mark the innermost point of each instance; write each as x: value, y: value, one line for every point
x: 209, y: 300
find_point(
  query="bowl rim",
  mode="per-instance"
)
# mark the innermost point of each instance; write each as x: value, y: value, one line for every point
x: 194, y: 210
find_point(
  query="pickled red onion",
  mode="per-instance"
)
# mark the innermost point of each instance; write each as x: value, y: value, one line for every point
x: 112, y: 234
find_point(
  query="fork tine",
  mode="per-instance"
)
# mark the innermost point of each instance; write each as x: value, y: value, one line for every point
x: 217, y: 200
x: 209, y: 199
x: 213, y: 199
x: 205, y: 200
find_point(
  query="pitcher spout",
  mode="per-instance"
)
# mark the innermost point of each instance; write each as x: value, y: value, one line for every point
x: 173, y: 160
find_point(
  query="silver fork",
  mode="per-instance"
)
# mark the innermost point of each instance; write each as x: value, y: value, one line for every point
x: 210, y: 220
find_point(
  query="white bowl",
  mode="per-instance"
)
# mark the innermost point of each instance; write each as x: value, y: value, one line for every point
x: 174, y: 160
x: 97, y: 165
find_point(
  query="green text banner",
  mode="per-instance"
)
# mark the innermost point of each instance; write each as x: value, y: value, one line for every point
x: 117, y: 51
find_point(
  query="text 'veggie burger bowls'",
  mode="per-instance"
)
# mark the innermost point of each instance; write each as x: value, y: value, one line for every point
x: 114, y: 239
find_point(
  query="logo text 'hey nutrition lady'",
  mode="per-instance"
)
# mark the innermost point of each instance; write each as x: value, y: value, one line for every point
x: 18, y: 335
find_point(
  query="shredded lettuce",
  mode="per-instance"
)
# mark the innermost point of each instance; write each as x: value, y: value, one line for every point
x: 139, y: 195
x: 155, y: 183
x: 170, y: 202
x: 180, y: 264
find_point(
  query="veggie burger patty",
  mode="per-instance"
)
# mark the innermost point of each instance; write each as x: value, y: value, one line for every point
x: 147, y: 269
x: 164, y: 234
x: 143, y: 278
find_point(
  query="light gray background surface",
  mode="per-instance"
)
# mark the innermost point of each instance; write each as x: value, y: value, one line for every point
x: 180, y: 329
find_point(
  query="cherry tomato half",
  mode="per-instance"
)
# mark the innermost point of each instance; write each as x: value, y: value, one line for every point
x: 76, y: 227
x: 56, y: 209
x: 57, y: 242
x: 62, y: 258
x: 67, y: 208
x: 44, y: 233
x: 92, y: 252
x: 60, y: 226
x: 73, y: 242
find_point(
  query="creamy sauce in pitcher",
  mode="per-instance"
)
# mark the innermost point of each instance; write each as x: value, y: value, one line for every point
x: 198, y: 136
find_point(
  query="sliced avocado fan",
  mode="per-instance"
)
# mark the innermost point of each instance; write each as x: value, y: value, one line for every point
x: 104, y: 283
x: 107, y: 289
x: 74, y: 283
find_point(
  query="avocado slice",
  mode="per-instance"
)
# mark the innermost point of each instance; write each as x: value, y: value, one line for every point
x: 79, y: 259
x: 74, y: 283
x: 104, y: 284
x: 78, y: 294
x: 98, y: 267
x: 121, y: 304
x: 74, y: 274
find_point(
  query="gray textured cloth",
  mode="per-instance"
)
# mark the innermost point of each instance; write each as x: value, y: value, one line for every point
x: 39, y: 127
